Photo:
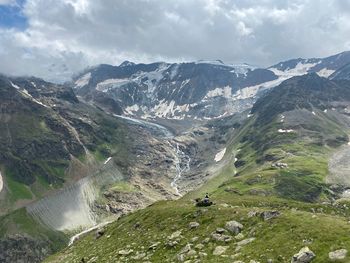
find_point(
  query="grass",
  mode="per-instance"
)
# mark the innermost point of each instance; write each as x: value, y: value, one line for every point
x: 277, y: 239
x: 18, y: 191
x: 123, y: 187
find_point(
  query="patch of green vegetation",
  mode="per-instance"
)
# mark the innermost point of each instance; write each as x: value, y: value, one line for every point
x: 18, y: 191
x: 123, y: 187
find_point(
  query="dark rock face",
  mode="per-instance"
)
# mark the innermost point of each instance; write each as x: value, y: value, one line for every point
x: 305, y: 92
x: 342, y: 73
x: 23, y: 249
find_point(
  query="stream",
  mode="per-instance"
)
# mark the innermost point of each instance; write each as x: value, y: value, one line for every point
x: 181, y: 159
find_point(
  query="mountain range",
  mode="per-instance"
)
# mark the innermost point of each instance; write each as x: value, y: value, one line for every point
x: 120, y: 138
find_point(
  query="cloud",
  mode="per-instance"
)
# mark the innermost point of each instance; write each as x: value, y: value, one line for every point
x: 63, y: 37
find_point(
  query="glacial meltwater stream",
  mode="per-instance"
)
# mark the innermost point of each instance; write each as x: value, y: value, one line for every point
x: 181, y: 159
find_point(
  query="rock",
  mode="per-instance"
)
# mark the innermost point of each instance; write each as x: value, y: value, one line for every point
x: 185, y: 249
x: 139, y: 256
x: 194, y: 239
x: 305, y: 255
x: 219, y: 250
x: 267, y: 215
x: 234, y: 227
x: 252, y: 214
x: 154, y: 245
x: 202, y: 254
x: 240, y: 236
x: 171, y: 243
x: 199, y: 246
x: 221, y: 238
x: 245, y: 241
x: 180, y: 257
x: 191, y: 253
x: 220, y: 230
x: 125, y: 252
x: 175, y: 235
x: 206, y: 240
x: 279, y: 165
x: 99, y: 233
x: 193, y: 225
x: 338, y: 254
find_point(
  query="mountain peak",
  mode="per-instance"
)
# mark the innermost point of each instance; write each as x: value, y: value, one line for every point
x: 127, y: 63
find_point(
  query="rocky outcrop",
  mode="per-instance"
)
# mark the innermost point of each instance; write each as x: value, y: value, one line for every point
x: 23, y: 249
x: 305, y: 255
x: 234, y: 227
x: 338, y: 254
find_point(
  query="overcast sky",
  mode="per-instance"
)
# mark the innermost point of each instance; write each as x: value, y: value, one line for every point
x: 54, y: 38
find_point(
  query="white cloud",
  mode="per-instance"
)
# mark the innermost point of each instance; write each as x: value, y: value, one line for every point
x: 7, y: 2
x: 65, y: 36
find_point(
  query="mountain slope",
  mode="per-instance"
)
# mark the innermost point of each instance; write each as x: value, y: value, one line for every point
x: 278, y: 192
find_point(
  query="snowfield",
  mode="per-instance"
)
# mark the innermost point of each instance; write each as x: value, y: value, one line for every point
x: 220, y: 155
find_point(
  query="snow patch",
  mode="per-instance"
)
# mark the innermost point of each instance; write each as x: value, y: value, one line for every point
x: 285, y: 131
x: 220, y: 155
x: 300, y: 69
x: 108, y: 159
x: 313, y: 113
x: 129, y: 110
x: 325, y: 72
x: 108, y: 84
x: 83, y: 81
x: 14, y: 85
x: 224, y: 92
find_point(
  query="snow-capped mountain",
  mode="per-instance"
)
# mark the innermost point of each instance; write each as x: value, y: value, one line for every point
x: 199, y: 89
x: 203, y: 89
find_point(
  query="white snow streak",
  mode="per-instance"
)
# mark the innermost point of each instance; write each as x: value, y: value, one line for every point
x: 108, y: 159
x: 285, y: 131
x: 220, y: 155
x: 83, y: 81
x: 325, y: 72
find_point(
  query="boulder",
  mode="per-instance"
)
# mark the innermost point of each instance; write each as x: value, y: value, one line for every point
x: 267, y: 215
x: 175, y: 235
x: 220, y: 230
x: 305, y: 255
x: 245, y: 241
x: 219, y: 250
x: 193, y: 225
x: 338, y: 254
x: 125, y: 252
x: 154, y: 246
x: 221, y: 238
x: 234, y: 227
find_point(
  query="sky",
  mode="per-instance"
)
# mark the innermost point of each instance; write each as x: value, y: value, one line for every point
x: 54, y: 39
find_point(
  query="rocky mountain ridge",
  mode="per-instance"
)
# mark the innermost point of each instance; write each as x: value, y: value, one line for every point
x: 193, y: 90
